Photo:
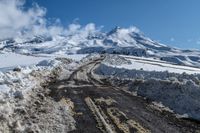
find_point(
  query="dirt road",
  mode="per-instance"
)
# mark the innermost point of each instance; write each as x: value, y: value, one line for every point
x: 100, y: 107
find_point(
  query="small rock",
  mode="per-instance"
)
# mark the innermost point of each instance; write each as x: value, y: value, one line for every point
x: 17, y: 69
x: 37, y: 102
x: 19, y: 94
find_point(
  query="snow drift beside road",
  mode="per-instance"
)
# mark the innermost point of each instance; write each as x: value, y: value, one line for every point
x: 147, y: 64
x: 178, y: 91
x: 20, y: 90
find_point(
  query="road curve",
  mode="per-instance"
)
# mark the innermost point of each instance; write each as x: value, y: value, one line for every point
x: 100, y: 107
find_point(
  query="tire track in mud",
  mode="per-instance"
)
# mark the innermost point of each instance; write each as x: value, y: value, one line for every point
x: 103, y: 108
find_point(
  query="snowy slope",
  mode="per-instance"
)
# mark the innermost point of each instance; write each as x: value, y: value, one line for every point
x: 126, y: 41
x: 148, y: 64
x: 9, y: 61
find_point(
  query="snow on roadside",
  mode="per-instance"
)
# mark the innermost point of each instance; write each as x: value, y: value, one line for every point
x: 179, y: 92
x: 13, y: 81
x: 116, y: 60
x: 146, y: 64
x: 19, y: 86
x: 21, y: 79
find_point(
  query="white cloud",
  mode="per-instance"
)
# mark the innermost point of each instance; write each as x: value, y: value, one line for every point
x: 15, y: 20
x: 134, y: 29
x: 72, y: 28
x: 90, y: 27
x: 18, y: 22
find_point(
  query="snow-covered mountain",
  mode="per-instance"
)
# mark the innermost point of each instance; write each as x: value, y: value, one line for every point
x: 127, y: 41
x: 64, y: 61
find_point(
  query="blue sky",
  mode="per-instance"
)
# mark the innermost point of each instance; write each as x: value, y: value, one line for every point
x: 173, y: 22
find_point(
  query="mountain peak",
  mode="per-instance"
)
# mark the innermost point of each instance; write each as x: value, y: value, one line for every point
x: 114, y: 30
x: 130, y: 30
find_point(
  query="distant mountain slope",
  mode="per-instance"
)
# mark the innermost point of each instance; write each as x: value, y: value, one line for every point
x: 117, y: 41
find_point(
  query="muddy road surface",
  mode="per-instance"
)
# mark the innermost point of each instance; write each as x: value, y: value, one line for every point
x: 100, y: 107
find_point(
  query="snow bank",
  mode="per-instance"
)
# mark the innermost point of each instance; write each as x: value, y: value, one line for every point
x: 116, y: 60
x: 178, y: 92
x: 182, y: 98
x: 23, y: 80
x: 21, y: 91
x: 148, y: 64
x: 16, y: 69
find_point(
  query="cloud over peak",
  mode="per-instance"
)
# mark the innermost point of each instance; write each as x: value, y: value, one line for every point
x: 15, y: 20
x: 18, y: 21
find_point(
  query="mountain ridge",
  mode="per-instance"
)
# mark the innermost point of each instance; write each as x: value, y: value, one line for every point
x: 127, y: 41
